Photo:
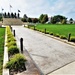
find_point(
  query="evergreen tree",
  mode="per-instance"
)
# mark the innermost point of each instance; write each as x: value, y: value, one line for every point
x: 71, y: 21
x: 12, y: 15
x: 8, y: 15
x: 15, y: 15
x: 29, y: 20
x: 18, y: 15
x: 5, y: 15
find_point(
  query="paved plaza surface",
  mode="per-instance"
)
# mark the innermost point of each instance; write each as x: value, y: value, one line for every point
x: 49, y: 54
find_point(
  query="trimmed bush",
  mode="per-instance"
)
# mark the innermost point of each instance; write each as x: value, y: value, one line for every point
x: 72, y: 39
x: 63, y: 37
x: 42, y: 31
x: 9, y: 36
x: 16, y: 63
x: 47, y: 32
x: 51, y: 33
x: 13, y: 50
x: 12, y: 43
x: 57, y: 35
x: 11, y: 39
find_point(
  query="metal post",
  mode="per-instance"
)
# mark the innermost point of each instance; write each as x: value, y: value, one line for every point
x: 25, y: 67
x: 14, y: 32
x: 69, y: 35
x: 45, y: 30
x: 21, y: 45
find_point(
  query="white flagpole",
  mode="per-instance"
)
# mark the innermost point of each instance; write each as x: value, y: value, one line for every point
x: 10, y: 8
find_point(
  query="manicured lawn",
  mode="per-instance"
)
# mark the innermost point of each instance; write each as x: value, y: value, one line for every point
x: 2, y: 38
x: 58, y: 29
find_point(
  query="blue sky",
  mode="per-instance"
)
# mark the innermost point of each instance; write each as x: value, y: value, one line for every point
x: 33, y: 8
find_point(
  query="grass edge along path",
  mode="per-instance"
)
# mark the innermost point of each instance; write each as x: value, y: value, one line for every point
x: 60, y: 31
x: 2, y: 40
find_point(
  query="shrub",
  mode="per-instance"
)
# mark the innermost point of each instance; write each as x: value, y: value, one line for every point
x: 11, y: 39
x: 16, y: 63
x: 9, y: 36
x: 13, y: 50
x: 12, y: 43
x: 72, y: 39
x: 47, y: 32
x: 51, y: 33
x: 57, y: 35
x: 42, y: 31
x: 63, y: 37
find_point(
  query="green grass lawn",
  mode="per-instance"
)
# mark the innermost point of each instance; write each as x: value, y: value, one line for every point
x: 58, y: 29
x: 2, y: 38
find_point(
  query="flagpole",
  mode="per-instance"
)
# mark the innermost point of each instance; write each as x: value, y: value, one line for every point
x: 10, y: 8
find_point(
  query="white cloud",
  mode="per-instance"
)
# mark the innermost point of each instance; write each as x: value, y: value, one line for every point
x: 33, y: 8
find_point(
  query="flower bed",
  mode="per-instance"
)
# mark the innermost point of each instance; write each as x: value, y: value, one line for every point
x: 16, y: 61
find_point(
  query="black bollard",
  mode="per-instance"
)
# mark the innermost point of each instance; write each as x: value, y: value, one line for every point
x: 21, y: 45
x: 45, y: 30
x: 69, y: 35
x: 24, y: 67
x: 14, y: 32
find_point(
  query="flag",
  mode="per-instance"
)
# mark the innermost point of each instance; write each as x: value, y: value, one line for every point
x: 19, y: 11
x: 10, y: 6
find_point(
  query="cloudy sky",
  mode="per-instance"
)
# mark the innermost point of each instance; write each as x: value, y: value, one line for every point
x: 33, y: 8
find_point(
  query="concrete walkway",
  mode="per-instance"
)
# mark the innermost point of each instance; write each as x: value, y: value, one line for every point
x: 49, y: 54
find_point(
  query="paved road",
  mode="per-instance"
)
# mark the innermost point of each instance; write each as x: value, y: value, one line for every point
x: 49, y: 54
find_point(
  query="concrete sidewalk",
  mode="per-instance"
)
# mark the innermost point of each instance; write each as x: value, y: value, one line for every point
x: 48, y: 53
x: 66, y: 70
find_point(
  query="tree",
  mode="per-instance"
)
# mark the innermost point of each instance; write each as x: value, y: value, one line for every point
x: 45, y: 19
x: 64, y: 21
x: 35, y: 20
x: 18, y: 15
x: 41, y: 17
x: 25, y: 16
x: 12, y: 15
x: 5, y: 15
x: 0, y: 16
x: 23, y: 19
x: 8, y: 15
x: 15, y: 15
x: 71, y: 21
x: 29, y: 20
x: 57, y: 18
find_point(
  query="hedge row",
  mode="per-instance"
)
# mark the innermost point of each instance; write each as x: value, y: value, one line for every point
x: 72, y: 38
x: 17, y: 60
